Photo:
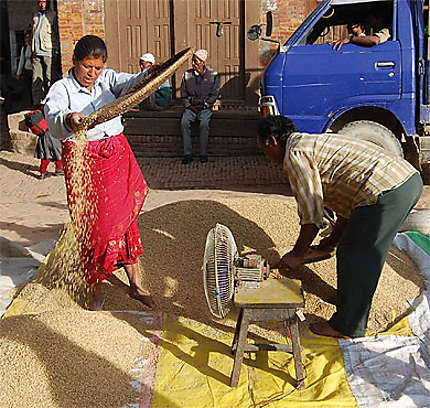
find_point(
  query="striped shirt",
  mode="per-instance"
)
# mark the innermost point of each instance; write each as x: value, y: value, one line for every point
x: 339, y: 172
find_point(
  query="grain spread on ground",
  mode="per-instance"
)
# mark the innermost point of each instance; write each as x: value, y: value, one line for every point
x: 64, y: 356
x: 173, y: 238
x: 74, y: 358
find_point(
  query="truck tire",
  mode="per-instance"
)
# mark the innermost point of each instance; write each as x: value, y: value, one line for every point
x: 373, y: 132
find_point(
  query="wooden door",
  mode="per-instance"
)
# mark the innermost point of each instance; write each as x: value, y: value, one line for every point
x: 196, y: 23
x: 165, y: 27
x: 134, y: 27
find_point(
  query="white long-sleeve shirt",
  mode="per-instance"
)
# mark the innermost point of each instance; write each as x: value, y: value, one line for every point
x: 68, y: 95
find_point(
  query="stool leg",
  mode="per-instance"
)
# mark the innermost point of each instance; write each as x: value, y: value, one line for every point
x: 297, y: 353
x: 240, y: 348
x: 236, y: 331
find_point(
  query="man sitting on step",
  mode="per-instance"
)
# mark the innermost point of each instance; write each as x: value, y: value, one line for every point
x: 199, y: 91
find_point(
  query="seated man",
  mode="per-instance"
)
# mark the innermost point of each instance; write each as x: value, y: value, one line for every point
x: 199, y: 91
x: 160, y: 98
x: 380, y: 34
x: 355, y: 29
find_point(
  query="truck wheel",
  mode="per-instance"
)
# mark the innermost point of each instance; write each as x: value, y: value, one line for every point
x: 373, y: 132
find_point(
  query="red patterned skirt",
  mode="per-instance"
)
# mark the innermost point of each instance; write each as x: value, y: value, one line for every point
x: 116, y: 190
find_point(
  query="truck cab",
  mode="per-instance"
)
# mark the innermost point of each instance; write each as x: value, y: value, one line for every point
x: 378, y: 93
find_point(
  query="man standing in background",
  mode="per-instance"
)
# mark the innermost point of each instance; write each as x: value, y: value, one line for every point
x: 45, y: 49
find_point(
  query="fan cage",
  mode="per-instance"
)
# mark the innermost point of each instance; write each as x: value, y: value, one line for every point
x: 218, y: 270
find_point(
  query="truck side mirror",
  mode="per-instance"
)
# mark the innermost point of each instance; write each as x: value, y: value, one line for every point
x: 254, y: 32
x: 269, y: 23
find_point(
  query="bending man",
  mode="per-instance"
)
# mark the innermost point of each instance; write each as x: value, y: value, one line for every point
x: 370, y: 190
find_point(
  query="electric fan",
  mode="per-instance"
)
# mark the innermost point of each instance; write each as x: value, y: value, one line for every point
x: 224, y: 270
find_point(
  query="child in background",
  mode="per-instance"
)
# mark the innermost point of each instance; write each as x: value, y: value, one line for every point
x: 47, y: 148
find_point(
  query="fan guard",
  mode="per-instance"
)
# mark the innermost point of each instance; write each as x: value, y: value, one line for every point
x: 218, y: 270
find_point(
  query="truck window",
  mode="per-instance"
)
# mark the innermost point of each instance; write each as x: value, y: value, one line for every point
x: 332, y: 26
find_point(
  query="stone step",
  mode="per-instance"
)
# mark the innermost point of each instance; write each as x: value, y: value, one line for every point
x: 158, y: 134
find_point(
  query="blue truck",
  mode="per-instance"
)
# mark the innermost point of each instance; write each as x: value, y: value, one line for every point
x: 379, y: 93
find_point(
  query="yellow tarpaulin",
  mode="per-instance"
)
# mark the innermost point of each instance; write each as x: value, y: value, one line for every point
x: 195, y: 364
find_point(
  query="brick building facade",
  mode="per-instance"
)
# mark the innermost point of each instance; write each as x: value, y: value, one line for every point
x: 79, y: 17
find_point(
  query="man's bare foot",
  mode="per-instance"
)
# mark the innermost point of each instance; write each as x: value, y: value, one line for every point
x: 315, y: 253
x: 141, y: 296
x: 324, y: 329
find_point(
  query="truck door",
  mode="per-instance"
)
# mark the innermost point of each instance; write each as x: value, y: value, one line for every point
x: 318, y: 81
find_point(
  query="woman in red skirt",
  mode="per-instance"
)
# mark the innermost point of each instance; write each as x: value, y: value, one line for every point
x: 113, y: 184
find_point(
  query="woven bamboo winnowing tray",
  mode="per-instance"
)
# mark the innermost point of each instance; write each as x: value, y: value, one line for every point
x: 136, y: 94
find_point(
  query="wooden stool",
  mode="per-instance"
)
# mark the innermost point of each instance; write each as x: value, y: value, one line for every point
x: 276, y: 299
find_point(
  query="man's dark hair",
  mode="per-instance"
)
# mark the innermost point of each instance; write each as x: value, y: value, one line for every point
x: 280, y: 127
x: 90, y: 46
x: 355, y: 22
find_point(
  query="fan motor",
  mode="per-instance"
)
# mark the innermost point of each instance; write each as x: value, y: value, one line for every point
x: 250, y: 271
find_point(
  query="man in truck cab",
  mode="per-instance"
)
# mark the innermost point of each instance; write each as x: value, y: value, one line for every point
x: 371, y: 192
x: 355, y: 29
x: 379, y: 34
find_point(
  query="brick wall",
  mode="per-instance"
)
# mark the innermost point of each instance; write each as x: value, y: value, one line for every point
x: 77, y: 18
x: 287, y: 16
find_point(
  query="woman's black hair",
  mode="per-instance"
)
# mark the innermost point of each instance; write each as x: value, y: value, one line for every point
x: 280, y: 127
x: 90, y: 46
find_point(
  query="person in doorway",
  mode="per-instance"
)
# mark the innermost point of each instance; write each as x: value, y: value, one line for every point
x: 199, y: 91
x: 45, y: 48
x: 380, y: 33
x: 115, y: 184
x: 370, y: 190
x: 25, y: 65
x: 159, y: 100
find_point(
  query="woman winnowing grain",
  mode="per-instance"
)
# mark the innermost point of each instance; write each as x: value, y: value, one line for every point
x: 109, y: 236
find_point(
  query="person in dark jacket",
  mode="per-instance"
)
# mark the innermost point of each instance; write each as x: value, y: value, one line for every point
x: 199, y: 91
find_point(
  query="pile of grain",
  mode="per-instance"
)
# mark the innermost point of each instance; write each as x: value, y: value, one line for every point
x: 71, y: 359
x: 173, y: 238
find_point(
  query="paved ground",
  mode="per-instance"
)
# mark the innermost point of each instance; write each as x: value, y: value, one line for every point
x: 220, y: 172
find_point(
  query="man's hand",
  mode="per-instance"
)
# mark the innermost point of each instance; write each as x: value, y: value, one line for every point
x: 74, y: 119
x: 338, y: 44
x: 291, y: 261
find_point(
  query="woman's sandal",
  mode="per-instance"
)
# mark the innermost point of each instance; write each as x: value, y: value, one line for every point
x: 144, y: 299
x: 96, y: 305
